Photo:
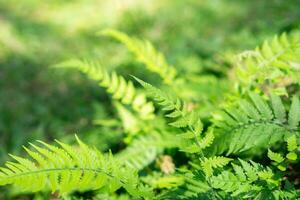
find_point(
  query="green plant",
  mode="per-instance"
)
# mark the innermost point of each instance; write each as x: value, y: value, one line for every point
x: 147, y: 54
x: 176, y: 152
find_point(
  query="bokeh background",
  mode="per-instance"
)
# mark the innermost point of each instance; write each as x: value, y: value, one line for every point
x: 40, y: 102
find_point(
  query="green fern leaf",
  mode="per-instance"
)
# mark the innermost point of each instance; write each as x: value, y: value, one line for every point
x: 253, y: 125
x: 115, y: 85
x: 262, y: 106
x: 275, y: 156
x: 66, y: 169
x: 145, y: 53
x: 249, y: 180
x: 292, y: 143
x: 181, y: 117
x: 208, y: 164
x: 274, y: 60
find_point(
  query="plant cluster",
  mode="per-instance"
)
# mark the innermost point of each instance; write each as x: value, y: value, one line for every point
x: 180, y: 140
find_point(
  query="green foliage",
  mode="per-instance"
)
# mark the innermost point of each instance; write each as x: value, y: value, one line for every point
x: 182, y: 118
x: 208, y: 164
x: 250, y: 180
x: 146, y: 54
x: 260, y: 121
x: 145, y: 149
x: 246, y: 125
x: 66, y: 169
x: 215, y: 127
x: 274, y: 61
x: 292, y: 143
x: 116, y: 85
x: 275, y: 156
x: 291, y: 156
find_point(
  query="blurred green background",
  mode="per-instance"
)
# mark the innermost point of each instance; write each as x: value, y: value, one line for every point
x: 39, y: 102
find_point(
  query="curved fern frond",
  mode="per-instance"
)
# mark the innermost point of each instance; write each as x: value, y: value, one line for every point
x: 176, y: 108
x: 182, y: 118
x: 67, y: 168
x: 146, y: 54
x: 276, y: 60
x: 116, y: 85
x: 257, y: 123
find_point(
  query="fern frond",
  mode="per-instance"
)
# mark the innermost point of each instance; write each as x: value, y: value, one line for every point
x: 230, y: 183
x: 116, y: 85
x: 202, y: 143
x: 280, y: 160
x: 66, y: 169
x: 292, y: 148
x: 278, y: 108
x: 247, y: 181
x: 274, y: 60
x: 146, y: 54
x: 291, y: 143
x: 177, y: 110
x: 208, y: 164
x: 275, y: 156
x: 182, y: 118
x: 254, y: 124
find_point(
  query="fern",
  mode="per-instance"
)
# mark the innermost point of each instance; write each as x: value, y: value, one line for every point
x: 116, y: 85
x: 255, y: 124
x: 146, y: 148
x: 292, y: 143
x: 292, y: 148
x: 291, y: 156
x: 66, y: 169
x: 145, y: 53
x: 275, y: 60
x: 275, y: 156
x: 177, y: 110
x: 208, y: 164
x: 197, y: 156
x: 248, y: 180
x: 182, y: 118
x: 188, y: 145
